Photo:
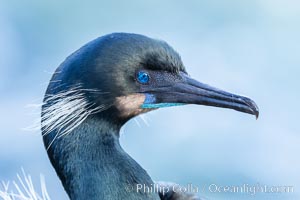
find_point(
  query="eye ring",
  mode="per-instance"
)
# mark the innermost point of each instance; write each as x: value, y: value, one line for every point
x: 142, y: 77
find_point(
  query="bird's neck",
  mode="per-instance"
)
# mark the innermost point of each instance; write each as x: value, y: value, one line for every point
x: 92, y: 165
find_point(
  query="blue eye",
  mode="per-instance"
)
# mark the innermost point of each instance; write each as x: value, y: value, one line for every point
x: 143, y: 77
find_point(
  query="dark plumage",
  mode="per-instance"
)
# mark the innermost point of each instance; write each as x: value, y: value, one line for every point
x: 95, y: 91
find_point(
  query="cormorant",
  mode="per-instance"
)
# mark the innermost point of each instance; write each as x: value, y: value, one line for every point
x: 95, y: 91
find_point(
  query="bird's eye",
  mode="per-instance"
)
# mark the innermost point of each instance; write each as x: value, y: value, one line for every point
x: 143, y: 77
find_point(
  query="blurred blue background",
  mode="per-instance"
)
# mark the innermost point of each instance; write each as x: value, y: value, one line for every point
x: 246, y: 47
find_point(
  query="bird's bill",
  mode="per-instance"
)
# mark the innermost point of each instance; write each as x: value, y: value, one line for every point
x: 190, y: 91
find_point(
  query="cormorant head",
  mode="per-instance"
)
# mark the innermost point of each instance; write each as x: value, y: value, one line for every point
x: 100, y: 87
x: 120, y: 75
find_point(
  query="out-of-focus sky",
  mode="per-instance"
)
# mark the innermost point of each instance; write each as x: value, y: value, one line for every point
x: 246, y: 47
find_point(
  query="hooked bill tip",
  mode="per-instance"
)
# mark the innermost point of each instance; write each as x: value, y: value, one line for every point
x: 252, y: 105
x: 254, y: 108
x: 257, y: 114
